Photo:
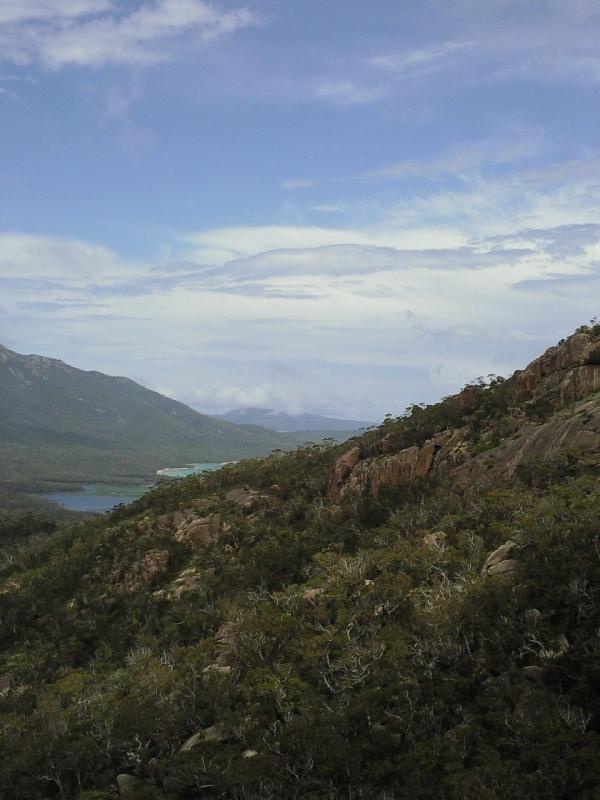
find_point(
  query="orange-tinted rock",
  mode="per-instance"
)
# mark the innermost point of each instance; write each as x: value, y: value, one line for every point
x: 561, y: 375
x: 343, y: 469
x: 370, y: 475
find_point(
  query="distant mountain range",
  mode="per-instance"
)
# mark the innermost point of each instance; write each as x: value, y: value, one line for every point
x: 282, y: 422
x: 60, y: 423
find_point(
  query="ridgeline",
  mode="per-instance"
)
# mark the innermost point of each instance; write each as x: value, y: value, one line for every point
x: 59, y: 423
x: 413, y: 614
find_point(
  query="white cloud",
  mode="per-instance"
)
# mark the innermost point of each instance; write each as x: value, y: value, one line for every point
x: 421, y: 61
x: 32, y: 10
x: 220, y: 245
x: 47, y: 258
x: 86, y: 33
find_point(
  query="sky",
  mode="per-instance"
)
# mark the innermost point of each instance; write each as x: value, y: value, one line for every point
x: 333, y: 206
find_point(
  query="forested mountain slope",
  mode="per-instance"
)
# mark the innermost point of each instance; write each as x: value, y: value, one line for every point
x: 61, y: 423
x: 414, y: 614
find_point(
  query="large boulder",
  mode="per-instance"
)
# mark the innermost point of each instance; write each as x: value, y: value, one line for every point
x: 343, y: 469
x: 247, y: 499
x: 216, y: 733
x: 502, y: 561
x: 199, y: 531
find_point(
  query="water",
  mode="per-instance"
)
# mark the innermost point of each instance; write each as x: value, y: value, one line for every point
x: 189, y: 469
x: 98, y: 497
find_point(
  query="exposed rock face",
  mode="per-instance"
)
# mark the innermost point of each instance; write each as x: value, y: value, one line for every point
x: 145, y: 571
x: 199, y: 531
x: 502, y: 562
x: 563, y: 373
x: 576, y: 429
x: 343, y: 469
x: 371, y: 474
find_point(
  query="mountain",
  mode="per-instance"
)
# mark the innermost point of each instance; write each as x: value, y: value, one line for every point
x: 412, y: 614
x: 60, y: 423
x: 281, y: 421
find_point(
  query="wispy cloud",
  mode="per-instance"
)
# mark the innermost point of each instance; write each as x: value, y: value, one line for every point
x: 373, y: 314
x: 349, y: 93
x: 420, y: 61
x: 94, y: 33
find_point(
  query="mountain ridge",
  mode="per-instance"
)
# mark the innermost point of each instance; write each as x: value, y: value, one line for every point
x: 59, y: 422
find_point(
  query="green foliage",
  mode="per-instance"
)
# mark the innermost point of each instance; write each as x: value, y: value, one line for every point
x: 321, y: 649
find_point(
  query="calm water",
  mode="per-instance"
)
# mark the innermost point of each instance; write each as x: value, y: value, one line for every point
x: 97, y: 497
x: 189, y: 469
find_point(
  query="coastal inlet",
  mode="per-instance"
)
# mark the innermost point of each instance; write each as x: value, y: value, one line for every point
x: 100, y: 497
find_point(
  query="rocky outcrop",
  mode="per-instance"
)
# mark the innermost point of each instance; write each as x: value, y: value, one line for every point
x: 561, y: 375
x: 247, y: 499
x: 144, y: 572
x: 573, y: 430
x: 502, y: 561
x: 193, y: 509
x: 342, y: 470
x: 370, y: 475
x: 199, y: 531
x: 216, y: 733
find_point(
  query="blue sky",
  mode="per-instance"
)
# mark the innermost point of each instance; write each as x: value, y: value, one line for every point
x: 333, y: 206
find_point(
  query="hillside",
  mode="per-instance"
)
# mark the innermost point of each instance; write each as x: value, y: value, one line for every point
x: 59, y: 423
x: 413, y: 615
x: 282, y: 421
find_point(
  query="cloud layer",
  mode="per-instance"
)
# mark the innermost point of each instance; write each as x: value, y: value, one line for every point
x: 95, y: 33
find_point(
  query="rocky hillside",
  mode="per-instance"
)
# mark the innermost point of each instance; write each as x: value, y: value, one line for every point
x: 414, y: 614
x: 59, y: 423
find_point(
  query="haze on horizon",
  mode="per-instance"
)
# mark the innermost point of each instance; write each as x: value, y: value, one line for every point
x: 335, y: 208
